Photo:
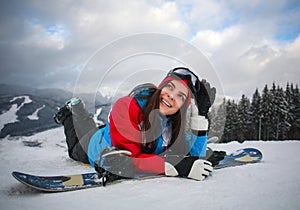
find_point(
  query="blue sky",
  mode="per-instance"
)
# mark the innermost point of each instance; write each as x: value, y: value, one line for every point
x: 250, y: 43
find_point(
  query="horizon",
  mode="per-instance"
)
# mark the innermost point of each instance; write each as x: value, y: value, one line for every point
x: 109, y: 93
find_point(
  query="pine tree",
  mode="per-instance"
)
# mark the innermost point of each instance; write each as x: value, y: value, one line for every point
x: 290, y: 103
x: 294, y: 114
x: 243, y: 119
x: 231, y: 122
x: 218, y: 119
x: 274, y: 120
x: 266, y: 113
x: 282, y: 111
x: 256, y: 115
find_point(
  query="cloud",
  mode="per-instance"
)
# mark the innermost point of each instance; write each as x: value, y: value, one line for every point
x: 245, y: 64
x: 45, y: 43
x: 293, y: 49
x: 44, y: 37
x: 252, y: 44
x: 212, y: 41
x: 48, y: 43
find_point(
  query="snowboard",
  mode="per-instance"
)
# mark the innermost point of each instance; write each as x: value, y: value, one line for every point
x: 90, y: 180
x: 240, y: 157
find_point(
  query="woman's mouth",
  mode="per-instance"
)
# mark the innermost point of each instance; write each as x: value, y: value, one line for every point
x: 166, y: 103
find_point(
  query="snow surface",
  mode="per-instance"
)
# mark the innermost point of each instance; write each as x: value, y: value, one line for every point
x: 34, y: 115
x: 273, y: 183
x: 11, y: 115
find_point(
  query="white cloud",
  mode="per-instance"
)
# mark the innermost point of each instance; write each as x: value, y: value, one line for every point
x: 41, y: 36
x: 56, y: 38
x: 293, y: 49
x: 104, y: 21
x: 247, y: 61
x: 212, y: 41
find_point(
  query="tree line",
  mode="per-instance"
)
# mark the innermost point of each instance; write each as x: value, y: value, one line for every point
x: 273, y: 114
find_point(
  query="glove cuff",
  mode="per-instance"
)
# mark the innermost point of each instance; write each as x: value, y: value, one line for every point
x: 170, y: 170
x: 199, y: 123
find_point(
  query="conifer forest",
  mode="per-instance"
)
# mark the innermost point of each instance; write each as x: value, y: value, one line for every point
x: 273, y: 114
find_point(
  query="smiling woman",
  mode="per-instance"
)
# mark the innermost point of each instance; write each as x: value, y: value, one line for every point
x: 149, y: 127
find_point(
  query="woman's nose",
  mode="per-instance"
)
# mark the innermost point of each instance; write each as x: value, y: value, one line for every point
x: 171, y: 96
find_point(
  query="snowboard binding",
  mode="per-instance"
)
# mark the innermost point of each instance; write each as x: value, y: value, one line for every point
x: 214, y: 156
x: 114, y: 164
x: 65, y: 111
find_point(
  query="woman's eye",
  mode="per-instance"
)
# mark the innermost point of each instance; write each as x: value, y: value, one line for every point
x: 169, y: 86
x: 182, y: 97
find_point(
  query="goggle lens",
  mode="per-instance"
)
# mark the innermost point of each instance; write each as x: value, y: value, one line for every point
x: 186, y: 72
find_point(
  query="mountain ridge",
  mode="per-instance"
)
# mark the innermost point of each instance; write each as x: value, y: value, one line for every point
x: 15, y: 110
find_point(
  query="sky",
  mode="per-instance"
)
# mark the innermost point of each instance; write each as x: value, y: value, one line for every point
x: 99, y: 45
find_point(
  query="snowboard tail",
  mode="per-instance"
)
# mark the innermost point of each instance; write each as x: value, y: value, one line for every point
x: 240, y: 157
x: 90, y: 180
x: 58, y: 183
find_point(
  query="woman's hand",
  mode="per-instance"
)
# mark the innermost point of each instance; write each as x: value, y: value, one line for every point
x: 189, y: 167
x: 205, y: 97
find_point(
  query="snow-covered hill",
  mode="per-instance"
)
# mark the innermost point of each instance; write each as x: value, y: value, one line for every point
x: 272, y: 184
x: 25, y: 111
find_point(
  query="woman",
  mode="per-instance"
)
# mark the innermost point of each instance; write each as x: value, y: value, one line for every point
x: 147, y: 129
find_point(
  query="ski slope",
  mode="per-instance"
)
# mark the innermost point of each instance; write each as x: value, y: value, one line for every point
x: 272, y: 184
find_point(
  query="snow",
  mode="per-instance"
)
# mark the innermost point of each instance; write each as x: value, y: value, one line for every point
x: 95, y: 117
x: 273, y: 183
x: 34, y: 115
x: 11, y: 115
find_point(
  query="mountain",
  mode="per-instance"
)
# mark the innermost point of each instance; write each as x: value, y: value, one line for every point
x: 25, y: 111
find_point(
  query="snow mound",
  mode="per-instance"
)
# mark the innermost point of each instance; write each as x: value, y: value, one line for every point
x: 273, y: 183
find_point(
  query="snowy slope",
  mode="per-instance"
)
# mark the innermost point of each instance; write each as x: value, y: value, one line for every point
x: 25, y: 111
x: 11, y: 115
x: 271, y: 184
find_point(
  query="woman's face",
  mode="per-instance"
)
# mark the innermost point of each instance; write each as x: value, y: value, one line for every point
x: 172, y: 97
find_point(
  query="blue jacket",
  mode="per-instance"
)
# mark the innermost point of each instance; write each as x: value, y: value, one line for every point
x: 102, y: 138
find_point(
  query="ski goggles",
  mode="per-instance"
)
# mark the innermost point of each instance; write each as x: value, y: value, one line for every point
x: 185, y: 73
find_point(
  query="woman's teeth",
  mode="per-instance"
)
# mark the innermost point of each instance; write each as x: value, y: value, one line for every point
x: 165, y: 102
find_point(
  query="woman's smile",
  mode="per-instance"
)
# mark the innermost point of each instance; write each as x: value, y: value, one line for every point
x: 165, y: 103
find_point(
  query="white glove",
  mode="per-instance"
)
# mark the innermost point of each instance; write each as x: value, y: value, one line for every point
x: 200, y: 170
x: 198, y: 122
x: 189, y: 167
